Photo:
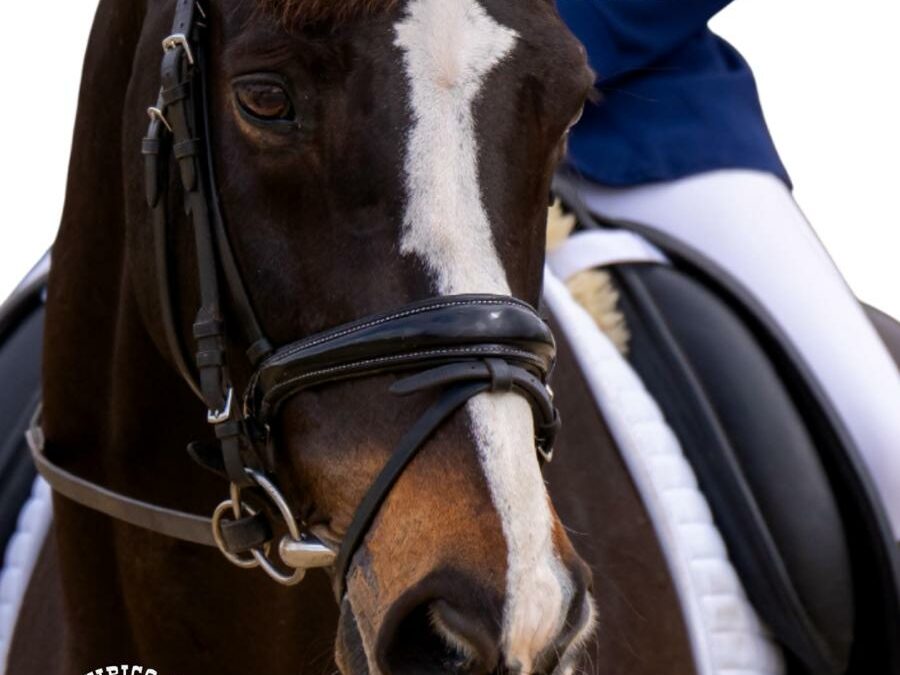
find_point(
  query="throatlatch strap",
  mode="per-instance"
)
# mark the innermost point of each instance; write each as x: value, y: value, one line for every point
x: 240, y: 536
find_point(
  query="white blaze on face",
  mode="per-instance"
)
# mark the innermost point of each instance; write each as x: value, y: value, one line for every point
x: 450, y: 47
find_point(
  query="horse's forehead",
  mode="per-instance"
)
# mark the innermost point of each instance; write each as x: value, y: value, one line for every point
x: 449, y: 48
x: 303, y: 11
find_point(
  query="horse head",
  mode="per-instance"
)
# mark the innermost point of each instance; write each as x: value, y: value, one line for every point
x: 368, y: 155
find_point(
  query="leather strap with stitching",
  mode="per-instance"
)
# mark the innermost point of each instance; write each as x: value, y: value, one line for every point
x: 242, y: 536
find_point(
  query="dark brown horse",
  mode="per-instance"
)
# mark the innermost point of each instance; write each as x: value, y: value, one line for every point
x: 368, y: 154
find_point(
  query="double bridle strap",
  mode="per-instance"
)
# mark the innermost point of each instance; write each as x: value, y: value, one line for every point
x: 457, y: 346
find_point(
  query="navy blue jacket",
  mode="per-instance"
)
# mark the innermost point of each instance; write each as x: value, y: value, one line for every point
x: 676, y: 99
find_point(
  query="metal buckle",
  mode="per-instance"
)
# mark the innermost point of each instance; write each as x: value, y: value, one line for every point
x: 179, y: 40
x: 220, y: 416
x: 297, y: 553
x: 156, y: 114
x: 223, y: 508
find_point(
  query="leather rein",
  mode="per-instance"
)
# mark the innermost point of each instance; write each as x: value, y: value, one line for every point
x: 457, y: 346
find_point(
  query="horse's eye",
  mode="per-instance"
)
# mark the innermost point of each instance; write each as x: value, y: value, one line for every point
x: 265, y: 100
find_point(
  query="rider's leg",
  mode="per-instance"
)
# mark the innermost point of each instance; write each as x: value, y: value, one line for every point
x: 748, y: 223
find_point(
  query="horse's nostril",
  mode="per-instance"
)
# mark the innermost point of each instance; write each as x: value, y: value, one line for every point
x: 434, y: 638
x: 466, y: 634
x: 569, y: 648
x: 449, y: 623
x: 437, y: 629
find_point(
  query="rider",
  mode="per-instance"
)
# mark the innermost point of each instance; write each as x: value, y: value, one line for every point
x: 678, y: 143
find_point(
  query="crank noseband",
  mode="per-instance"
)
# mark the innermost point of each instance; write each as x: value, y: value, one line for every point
x: 458, y: 347
x: 425, y: 335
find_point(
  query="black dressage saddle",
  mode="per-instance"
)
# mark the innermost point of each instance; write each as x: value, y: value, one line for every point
x: 802, y: 522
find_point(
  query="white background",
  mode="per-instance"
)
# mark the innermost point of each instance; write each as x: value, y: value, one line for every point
x: 827, y: 72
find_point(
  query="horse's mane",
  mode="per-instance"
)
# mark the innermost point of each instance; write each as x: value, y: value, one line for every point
x: 311, y: 11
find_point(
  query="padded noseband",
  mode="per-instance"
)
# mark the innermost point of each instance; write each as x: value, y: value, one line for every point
x: 436, y: 332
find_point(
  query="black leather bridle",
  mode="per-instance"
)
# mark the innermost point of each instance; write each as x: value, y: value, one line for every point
x: 459, y: 346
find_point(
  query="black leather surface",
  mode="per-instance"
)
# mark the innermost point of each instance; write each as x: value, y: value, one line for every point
x: 755, y: 459
x: 20, y: 357
x: 421, y: 335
